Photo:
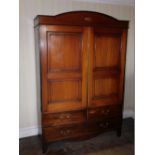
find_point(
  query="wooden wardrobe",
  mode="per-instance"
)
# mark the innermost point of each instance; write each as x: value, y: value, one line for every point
x: 82, y: 65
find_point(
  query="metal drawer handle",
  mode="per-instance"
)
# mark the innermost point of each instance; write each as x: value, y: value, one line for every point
x: 103, y: 112
x: 101, y: 125
x: 107, y: 123
x: 92, y: 112
x: 68, y: 131
x: 108, y: 110
x: 104, y: 125
x: 62, y: 132
x: 68, y: 116
x: 61, y: 117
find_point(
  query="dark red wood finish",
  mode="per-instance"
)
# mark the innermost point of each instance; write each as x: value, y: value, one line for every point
x: 82, y: 65
x: 80, y: 18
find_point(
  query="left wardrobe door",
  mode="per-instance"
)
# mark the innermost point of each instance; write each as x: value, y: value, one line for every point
x: 63, y: 68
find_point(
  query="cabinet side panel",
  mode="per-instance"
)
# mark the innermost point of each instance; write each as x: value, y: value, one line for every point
x: 122, y: 65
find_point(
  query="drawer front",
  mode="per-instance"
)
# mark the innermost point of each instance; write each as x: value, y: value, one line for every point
x: 104, y: 112
x: 63, y: 118
x: 72, y: 131
x: 108, y: 124
x: 60, y: 133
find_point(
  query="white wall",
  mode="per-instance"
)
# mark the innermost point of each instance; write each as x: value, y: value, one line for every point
x: 29, y: 109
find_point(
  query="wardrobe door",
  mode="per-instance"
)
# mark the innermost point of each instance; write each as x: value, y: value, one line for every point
x: 106, y: 67
x: 63, y: 67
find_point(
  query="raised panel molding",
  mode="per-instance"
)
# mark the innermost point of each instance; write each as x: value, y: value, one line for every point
x: 107, y: 50
x: 105, y: 87
x: 64, y: 91
x: 62, y: 58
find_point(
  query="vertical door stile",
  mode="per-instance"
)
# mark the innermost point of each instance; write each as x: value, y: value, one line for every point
x: 90, y: 62
x: 43, y: 59
x: 122, y: 65
x: 85, y: 68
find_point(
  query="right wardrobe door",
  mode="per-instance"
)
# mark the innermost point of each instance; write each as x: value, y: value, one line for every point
x: 106, y: 67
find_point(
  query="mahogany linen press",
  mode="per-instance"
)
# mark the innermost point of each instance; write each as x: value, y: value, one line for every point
x: 81, y: 55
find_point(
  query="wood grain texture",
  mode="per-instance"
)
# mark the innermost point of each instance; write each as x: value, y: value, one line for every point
x: 82, y: 63
x: 52, y: 134
x: 43, y: 66
x: 90, y: 66
x: 104, y: 67
x: 63, y: 118
x: 104, y: 112
x: 106, y: 53
x: 105, y: 87
x: 122, y: 65
x: 58, y: 91
x: 60, y: 51
x: 108, y: 140
x: 64, y: 68
x: 80, y: 18
x: 63, y: 132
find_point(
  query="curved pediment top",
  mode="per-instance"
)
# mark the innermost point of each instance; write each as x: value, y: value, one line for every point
x: 80, y: 18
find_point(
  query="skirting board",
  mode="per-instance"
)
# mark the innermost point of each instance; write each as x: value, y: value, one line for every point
x: 129, y: 113
x: 32, y: 131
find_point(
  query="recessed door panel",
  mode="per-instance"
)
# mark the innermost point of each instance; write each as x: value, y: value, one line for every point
x: 107, y: 49
x: 65, y: 68
x: 65, y: 90
x: 64, y: 51
x: 104, y: 68
x: 105, y: 87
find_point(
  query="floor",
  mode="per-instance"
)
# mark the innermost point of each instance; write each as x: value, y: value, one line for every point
x: 104, y: 144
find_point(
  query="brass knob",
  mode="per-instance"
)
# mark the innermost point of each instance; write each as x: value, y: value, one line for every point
x: 107, y: 124
x: 68, y: 116
x: 108, y: 110
x: 92, y: 112
x: 103, y: 112
x: 101, y: 125
x: 62, y: 132
x: 61, y: 117
x: 68, y: 131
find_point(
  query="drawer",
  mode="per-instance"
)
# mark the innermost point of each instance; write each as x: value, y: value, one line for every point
x: 60, y: 133
x: 104, y: 112
x: 104, y: 125
x: 55, y: 119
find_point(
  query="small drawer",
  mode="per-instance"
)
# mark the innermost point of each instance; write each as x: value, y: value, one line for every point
x: 60, y: 133
x: 63, y: 118
x: 104, y: 112
x: 104, y: 125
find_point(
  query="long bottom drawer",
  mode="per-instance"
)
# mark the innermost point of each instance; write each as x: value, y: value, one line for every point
x: 69, y: 131
x: 60, y: 133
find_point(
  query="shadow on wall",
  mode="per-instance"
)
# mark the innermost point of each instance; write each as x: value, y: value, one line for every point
x: 38, y: 86
x: 129, y: 97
